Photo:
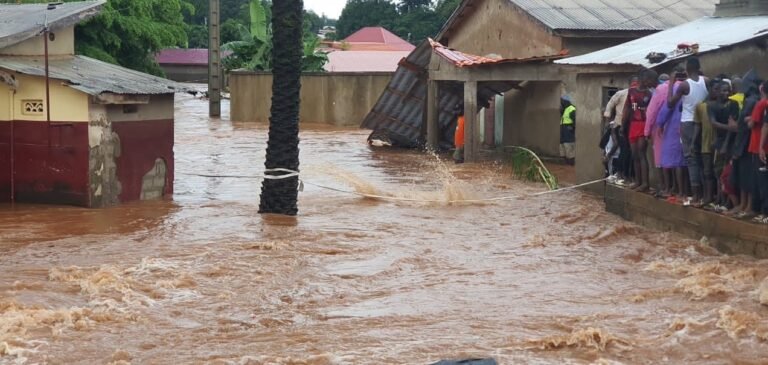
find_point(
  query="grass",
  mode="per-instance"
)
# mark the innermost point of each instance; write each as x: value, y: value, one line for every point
x: 526, y: 165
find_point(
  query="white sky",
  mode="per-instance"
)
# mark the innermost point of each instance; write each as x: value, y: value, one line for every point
x: 331, y: 8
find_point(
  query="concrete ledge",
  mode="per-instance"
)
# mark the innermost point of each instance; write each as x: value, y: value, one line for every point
x: 728, y: 235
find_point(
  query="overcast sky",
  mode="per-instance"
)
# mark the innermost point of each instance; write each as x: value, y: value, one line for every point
x: 331, y: 8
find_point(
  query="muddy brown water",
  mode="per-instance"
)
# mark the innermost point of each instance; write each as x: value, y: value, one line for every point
x: 204, y: 279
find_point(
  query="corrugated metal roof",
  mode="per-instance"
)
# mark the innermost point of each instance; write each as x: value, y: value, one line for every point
x: 186, y: 56
x: 91, y: 76
x: 600, y: 15
x: 377, y: 35
x: 616, y: 15
x: 709, y: 33
x: 399, y: 112
x: 21, y: 22
x: 461, y: 59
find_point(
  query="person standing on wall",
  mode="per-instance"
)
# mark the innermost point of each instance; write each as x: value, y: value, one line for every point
x: 692, y: 93
x: 567, y: 130
x: 634, y: 116
x: 458, y: 136
x: 615, y: 110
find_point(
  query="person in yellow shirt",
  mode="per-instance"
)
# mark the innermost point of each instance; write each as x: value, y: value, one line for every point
x: 568, y: 130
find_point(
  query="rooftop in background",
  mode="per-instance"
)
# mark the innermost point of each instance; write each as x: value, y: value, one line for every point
x: 187, y: 57
x: 616, y: 14
x: 21, y: 22
x: 709, y: 33
x: 378, y: 37
x: 91, y: 76
x: 602, y: 15
x: 364, y: 61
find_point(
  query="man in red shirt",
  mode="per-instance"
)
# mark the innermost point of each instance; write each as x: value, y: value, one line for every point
x: 634, y: 117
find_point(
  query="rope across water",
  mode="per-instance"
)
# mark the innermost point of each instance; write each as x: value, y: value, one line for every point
x: 286, y: 173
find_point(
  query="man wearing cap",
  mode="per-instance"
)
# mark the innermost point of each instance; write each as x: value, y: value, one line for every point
x: 567, y: 130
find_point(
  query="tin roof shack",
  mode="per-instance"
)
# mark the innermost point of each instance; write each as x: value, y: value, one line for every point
x: 727, y: 44
x: 93, y: 134
x: 185, y: 65
x: 526, y: 35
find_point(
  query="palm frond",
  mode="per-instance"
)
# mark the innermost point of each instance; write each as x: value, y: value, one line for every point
x: 528, y: 166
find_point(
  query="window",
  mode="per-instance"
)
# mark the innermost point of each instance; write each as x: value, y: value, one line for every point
x: 130, y: 109
x: 32, y: 107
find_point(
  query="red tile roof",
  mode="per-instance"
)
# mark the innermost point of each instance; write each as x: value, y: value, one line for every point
x: 364, y: 61
x: 461, y: 59
x: 181, y: 56
x: 380, y: 36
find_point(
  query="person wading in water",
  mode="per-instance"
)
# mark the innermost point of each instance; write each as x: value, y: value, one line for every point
x: 568, y: 131
x: 458, y: 137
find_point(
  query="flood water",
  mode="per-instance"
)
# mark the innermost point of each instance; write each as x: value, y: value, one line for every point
x: 204, y: 279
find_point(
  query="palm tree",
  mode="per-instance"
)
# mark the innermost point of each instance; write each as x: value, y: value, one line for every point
x: 279, y: 196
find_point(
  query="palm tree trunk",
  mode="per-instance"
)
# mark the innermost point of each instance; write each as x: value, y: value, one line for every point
x: 279, y: 196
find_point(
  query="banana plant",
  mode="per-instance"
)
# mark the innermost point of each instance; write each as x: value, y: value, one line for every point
x: 254, y: 49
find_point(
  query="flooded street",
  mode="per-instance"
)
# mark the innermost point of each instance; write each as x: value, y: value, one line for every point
x: 204, y: 279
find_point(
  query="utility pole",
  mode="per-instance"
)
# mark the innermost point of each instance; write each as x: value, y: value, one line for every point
x: 214, y: 59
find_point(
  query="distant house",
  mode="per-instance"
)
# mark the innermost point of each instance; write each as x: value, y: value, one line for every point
x: 103, y: 135
x: 370, y: 49
x: 185, y: 65
x: 498, y: 55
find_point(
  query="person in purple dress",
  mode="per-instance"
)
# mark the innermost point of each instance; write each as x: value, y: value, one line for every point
x: 668, y: 120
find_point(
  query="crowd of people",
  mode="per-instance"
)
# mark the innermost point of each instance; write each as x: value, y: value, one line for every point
x: 708, y: 137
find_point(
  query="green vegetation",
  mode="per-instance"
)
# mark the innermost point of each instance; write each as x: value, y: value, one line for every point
x: 526, y: 165
x: 131, y: 32
x: 253, y: 49
x: 412, y: 20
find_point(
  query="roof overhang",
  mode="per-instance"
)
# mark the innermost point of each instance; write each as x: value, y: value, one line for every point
x: 21, y: 22
x: 93, y: 77
x: 701, y: 36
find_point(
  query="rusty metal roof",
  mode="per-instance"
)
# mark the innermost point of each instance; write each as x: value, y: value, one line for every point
x: 709, y: 33
x: 91, y: 76
x: 399, y: 112
x: 616, y: 15
x: 461, y: 59
x: 19, y: 22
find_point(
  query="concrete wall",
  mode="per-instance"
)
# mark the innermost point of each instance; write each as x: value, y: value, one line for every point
x: 588, y: 99
x: 531, y: 117
x: 579, y: 46
x: 63, y: 44
x: 184, y: 73
x: 730, y: 236
x: 497, y: 26
x: 340, y: 99
x: 67, y: 104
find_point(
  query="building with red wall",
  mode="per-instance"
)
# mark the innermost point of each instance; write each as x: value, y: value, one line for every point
x: 101, y: 134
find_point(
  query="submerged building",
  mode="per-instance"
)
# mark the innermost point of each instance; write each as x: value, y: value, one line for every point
x: 92, y: 133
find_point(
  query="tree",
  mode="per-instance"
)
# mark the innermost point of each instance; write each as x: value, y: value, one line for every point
x: 365, y: 13
x: 253, y: 49
x: 280, y: 196
x: 417, y: 25
x: 445, y: 8
x: 312, y: 22
x: 131, y: 32
x: 407, y: 6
